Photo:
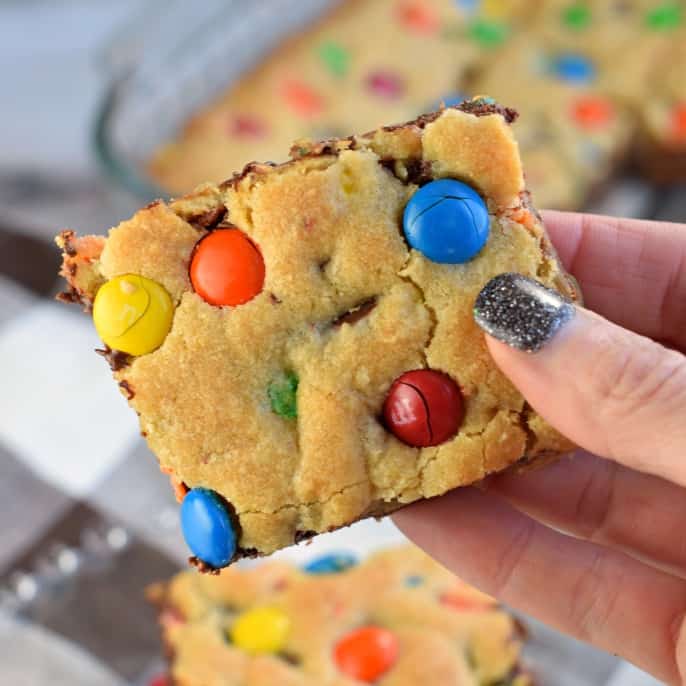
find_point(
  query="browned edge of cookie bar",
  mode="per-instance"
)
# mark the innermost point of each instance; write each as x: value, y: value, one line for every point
x: 81, y: 254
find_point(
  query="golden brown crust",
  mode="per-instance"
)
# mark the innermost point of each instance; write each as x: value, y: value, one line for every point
x: 448, y: 632
x: 327, y: 224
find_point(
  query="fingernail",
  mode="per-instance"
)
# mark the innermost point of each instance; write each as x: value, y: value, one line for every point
x: 521, y: 312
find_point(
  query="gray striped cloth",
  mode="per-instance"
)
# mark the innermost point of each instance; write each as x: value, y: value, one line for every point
x: 87, y: 518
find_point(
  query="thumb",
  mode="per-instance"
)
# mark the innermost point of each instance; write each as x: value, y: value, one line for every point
x: 613, y: 392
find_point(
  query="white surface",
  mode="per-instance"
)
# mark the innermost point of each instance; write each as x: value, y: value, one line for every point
x: 44, y: 115
x: 40, y: 657
x: 628, y: 675
x: 72, y: 445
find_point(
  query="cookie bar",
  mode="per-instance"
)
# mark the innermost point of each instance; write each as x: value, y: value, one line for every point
x: 298, y: 341
x: 397, y: 618
x: 361, y: 66
x: 599, y: 84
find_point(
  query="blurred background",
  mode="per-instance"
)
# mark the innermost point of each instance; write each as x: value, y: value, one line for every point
x: 106, y: 106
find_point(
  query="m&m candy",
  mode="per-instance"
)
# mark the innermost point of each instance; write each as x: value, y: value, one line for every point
x: 261, y: 631
x: 419, y: 17
x: 331, y: 563
x: 227, y: 268
x: 468, y: 602
x: 573, y: 68
x: 133, y: 314
x: 282, y: 394
x: 449, y: 100
x: 423, y: 408
x: 667, y: 15
x: 447, y: 221
x: 386, y: 84
x: 302, y: 99
x: 207, y: 527
x: 577, y: 16
x: 247, y: 126
x: 678, y: 122
x: 414, y: 580
x: 489, y: 34
x: 592, y: 112
x: 335, y: 57
x: 366, y: 653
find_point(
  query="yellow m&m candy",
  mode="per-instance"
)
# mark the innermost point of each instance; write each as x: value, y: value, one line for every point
x: 133, y: 314
x: 261, y: 630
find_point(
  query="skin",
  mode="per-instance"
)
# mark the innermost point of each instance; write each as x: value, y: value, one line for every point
x: 595, y: 546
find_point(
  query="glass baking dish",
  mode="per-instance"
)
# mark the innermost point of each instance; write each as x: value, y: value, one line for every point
x: 174, y: 57
x: 168, y: 61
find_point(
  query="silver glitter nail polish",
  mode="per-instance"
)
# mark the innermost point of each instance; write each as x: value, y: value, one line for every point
x: 520, y: 311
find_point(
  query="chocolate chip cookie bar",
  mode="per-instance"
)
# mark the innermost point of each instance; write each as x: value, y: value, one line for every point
x: 298, y: 341
x: 396, y: 619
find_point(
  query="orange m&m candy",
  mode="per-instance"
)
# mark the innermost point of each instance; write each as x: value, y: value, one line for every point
x: 468, y: 602
x: 592, y: 112
x: 366, y: 653
x: 227, y: 268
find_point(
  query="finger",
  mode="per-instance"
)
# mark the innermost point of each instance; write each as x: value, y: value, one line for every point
x: 633, y: 272
x: 615, y: 393
x: 595, y: 594
x: 606, y: 503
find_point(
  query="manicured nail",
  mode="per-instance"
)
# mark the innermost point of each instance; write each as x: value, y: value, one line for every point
x: 521, y: 312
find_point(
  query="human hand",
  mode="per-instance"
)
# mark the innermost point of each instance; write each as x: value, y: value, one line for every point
x: 593, y: 546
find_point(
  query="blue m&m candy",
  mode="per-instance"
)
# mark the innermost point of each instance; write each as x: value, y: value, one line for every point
x: 207, y: 527
x: 332, y: 563
x: 573, y: 68
x: 449, y: 100
x: 447, y: 221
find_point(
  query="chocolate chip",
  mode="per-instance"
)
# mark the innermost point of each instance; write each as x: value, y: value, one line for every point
x: 74, y: 296
x: 290, y: 658
x: 419, y: 171
x: 203, y: 567
x: 250, y: 168
x: 115, y: 358
x: 126, y: 387
x: 208, y: 220
x: 481, y: 107
x: 415, y: 170
x: 355, y: 314
x: 301, y: 536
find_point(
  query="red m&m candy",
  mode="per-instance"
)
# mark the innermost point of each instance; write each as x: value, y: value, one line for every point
x: 423, y: 407
x: 366, y: 653
x: 227, y: 268
x: 679, y: 122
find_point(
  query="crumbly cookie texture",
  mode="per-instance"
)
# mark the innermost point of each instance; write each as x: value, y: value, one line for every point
x: 448, y: 633
x: 329, y: 227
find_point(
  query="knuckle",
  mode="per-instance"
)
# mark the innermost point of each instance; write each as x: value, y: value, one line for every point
x: 628, y: 375
x: 594, y: 598
x: 511, y: 556
x: 594, y: 506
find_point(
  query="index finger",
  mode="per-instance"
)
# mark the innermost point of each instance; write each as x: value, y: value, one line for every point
x: 631, y: 271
